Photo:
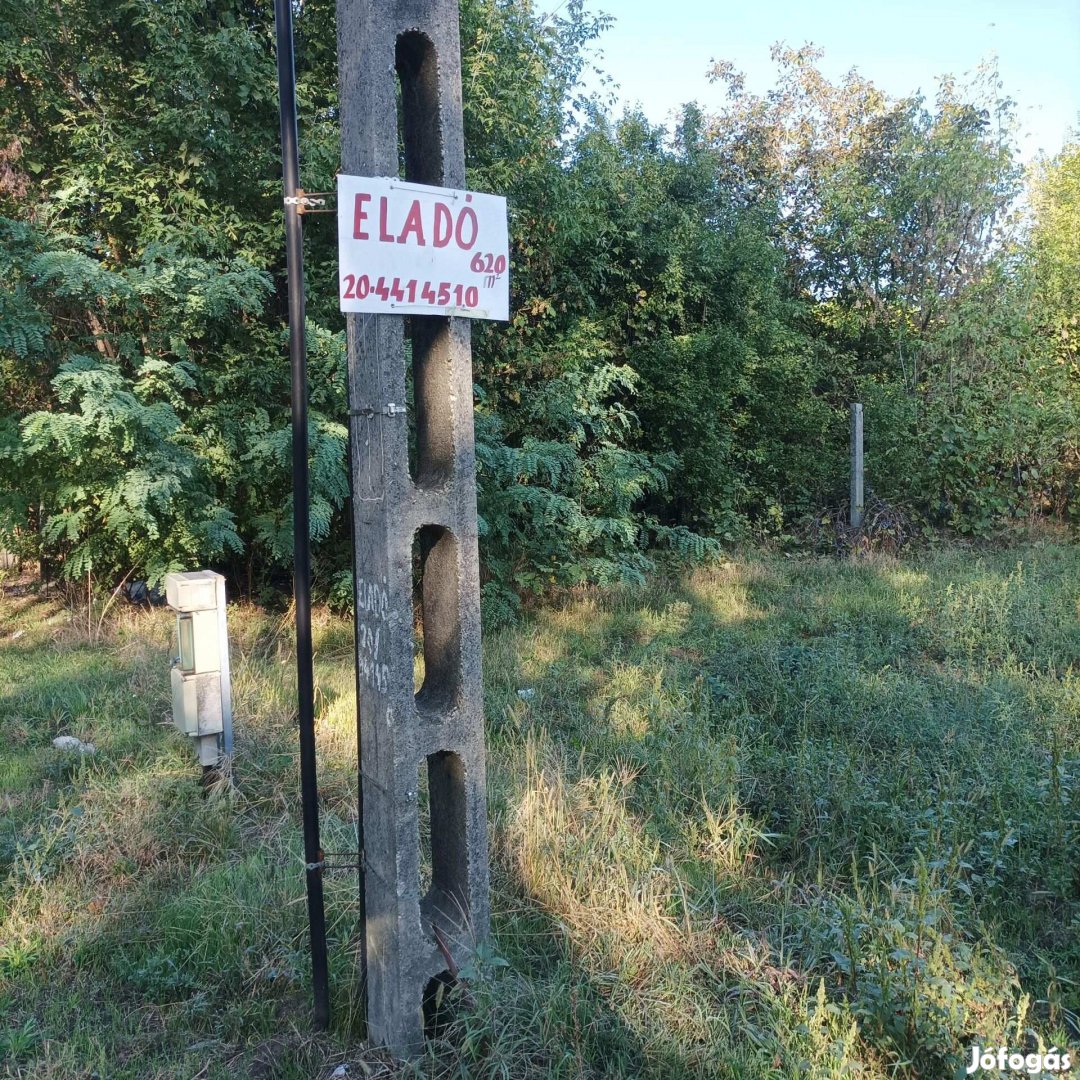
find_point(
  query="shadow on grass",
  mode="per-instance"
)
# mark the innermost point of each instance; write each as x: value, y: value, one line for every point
x: 171, y: 922
x: 721, y: 792
x: 865, y: 720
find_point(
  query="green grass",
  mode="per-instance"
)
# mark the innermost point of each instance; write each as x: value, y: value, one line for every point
x: 773, y: 818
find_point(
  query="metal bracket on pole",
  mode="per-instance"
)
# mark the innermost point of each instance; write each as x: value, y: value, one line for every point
x: 387, y: 410
x: 309, y: 202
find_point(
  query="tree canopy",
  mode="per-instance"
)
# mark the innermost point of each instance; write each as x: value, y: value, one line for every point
x: 693, y: 306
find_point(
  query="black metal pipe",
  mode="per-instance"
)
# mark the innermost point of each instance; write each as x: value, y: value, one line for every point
x: 305, y: 683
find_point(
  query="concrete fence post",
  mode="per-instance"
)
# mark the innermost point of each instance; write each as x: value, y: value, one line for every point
x: 415, y: 544
x: 857, y: 495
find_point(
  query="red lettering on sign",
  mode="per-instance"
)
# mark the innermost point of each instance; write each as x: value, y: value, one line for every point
x: 360, y: 214
x: 444, y: 225
x: 414, y: 225
x: 468, y: 214
x: 384, y: 236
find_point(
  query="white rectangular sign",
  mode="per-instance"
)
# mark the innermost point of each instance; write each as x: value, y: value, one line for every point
x: 410, y: 249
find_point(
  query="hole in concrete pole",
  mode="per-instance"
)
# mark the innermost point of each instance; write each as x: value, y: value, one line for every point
x: 437, y: 633
x: 410, y: 394
x: 399, y: 109
x: 432, y: 461
x: 447, y: 901
x: 423, y: 817
x: 443, y: 864
x: 419, y: 117
x: 437, y: 1005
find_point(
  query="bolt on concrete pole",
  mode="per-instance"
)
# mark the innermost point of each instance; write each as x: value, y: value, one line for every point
x: 857, y: 496
x: 413, y: 523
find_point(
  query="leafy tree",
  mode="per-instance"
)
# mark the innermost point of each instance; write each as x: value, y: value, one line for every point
x: 107, y: 474
x: 1055, y: 241
x: 883, y: 203
x: 698, y: 303
x: 898, y: 221
x: 692, y: 308
x: 139, y: 192
x: 1054, y: 268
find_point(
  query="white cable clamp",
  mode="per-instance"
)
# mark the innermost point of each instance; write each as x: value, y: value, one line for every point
x: 387, y: 410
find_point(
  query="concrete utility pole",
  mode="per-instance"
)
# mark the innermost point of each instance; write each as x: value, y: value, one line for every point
x: 857, y: 497
x: 405, y: 523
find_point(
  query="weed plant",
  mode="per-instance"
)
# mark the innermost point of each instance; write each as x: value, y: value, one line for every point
x: 770, y: 818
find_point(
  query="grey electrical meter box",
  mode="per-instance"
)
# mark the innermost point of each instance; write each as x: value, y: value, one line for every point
x: 201, y: 686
